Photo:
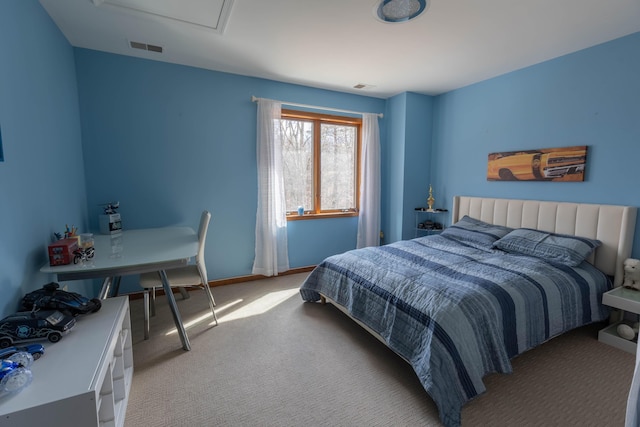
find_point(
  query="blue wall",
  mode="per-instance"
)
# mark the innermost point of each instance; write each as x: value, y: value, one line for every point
x: 406, y: 163
x: 392, y: 160
x: 417, y: 159
x: 42, y: 179
x: 591, y: 98
x: 168, y: 141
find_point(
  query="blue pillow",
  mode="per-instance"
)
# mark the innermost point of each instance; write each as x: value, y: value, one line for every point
x: 558, y: 248
x: 476, y: 233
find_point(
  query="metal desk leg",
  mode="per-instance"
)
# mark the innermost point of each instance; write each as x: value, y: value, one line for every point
x: 106, y: 287
x: 174, y: 310
x: 116, y: 285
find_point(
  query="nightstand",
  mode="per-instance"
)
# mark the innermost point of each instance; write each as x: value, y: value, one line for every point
x: 625, y: 300
x: 434, y: 221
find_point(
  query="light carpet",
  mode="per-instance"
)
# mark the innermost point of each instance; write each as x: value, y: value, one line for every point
x: 276, y: 361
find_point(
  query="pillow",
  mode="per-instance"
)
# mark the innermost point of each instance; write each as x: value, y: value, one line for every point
x: 558, y: 248
x: 476, y: 233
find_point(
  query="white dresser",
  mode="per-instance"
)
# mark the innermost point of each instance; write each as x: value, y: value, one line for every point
x: 84, y: 379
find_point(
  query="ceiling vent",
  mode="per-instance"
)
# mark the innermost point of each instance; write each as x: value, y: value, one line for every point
x: 144, y: 46
x: 363, y: 86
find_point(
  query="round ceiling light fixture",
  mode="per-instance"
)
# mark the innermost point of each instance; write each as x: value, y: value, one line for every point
x: 400, y: 10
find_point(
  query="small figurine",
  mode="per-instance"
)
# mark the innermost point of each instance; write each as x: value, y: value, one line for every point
x: 110, y: 208
x: 631, y: 274
x: 430, y: 200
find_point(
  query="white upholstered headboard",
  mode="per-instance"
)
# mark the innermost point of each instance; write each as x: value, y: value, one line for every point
x: 613, y: 225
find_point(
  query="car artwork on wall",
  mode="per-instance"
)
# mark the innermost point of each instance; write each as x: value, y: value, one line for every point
x: 545, y: 164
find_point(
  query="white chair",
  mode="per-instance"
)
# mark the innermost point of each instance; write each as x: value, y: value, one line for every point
x: 192, y: 275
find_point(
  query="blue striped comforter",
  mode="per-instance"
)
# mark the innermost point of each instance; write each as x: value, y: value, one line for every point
x: 458, y: 313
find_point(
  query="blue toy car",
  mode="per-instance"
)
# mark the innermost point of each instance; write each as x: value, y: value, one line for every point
x: 35, y: 350
x: 15, y: 374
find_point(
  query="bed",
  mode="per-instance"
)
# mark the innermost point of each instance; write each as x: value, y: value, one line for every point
x: 507, y: 276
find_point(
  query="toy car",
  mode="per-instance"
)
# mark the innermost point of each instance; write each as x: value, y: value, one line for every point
x: 14, y: 372
x: 50, y: 298
x: 33, y: 325
x: 35, y: 350
x: 83, y: 255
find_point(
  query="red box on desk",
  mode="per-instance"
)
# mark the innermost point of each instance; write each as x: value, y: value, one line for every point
x: 61, y: 252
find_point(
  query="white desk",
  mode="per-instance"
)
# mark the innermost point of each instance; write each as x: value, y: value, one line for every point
x: 135, y: 252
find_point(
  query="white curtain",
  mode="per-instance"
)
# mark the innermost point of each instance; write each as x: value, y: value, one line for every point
x: 369, y: 218
x: 271, y: 223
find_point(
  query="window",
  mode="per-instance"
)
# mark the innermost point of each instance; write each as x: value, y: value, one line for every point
x: 321, y: 164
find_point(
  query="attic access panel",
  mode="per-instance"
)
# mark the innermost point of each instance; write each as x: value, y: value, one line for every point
x: 208, y: 14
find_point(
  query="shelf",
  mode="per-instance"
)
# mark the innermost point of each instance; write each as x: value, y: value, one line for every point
x: 437, y: 216
x: 623, y: 299
x: 610, y: 336
x: 84, y: 379
x: 429, y: 231
x: 432, y: 211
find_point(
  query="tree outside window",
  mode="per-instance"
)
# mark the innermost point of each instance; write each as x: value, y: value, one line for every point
x: 321, y: 163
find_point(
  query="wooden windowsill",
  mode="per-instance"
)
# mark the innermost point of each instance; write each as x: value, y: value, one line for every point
x: 306, y: 216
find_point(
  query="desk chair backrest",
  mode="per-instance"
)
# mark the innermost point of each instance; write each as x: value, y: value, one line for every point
x: 202, y: 239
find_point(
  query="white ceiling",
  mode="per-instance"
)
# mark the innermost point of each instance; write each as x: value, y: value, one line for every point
x: 336, y: 44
